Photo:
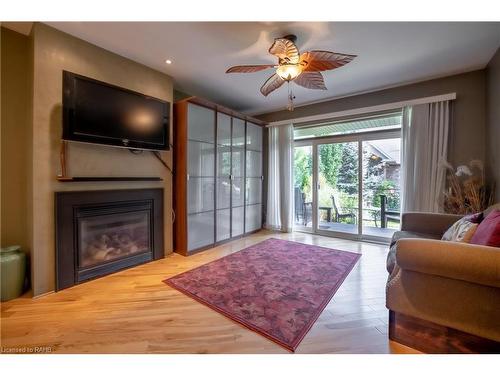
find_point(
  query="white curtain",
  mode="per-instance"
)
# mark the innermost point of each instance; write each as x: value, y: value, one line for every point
x: 424, y: 142
x: 280, y: 181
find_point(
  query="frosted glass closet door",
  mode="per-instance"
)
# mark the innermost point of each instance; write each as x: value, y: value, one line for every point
x: 253, y: 190
x: 238, y: 177
x: 201, y: 176
x: 223, y: 202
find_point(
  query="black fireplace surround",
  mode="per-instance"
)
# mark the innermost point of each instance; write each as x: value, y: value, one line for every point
x: 104, y: 231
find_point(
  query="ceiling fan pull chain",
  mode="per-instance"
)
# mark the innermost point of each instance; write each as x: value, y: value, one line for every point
x: 290, y: 98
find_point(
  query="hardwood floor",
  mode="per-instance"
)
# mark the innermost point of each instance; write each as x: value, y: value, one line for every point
x: 134, y: 312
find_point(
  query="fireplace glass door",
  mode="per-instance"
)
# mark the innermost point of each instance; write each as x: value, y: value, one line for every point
x: 106, y: 238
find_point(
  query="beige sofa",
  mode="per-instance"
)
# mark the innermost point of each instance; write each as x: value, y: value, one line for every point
x: 443, y: 296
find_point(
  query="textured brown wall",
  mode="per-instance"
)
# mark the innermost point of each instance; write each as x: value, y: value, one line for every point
x: 53, y: 52
x: 468, y: 134
x: 15, y: 93
x: 493, y: 121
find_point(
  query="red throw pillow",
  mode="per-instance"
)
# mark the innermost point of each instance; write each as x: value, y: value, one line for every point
x: 488, y: 232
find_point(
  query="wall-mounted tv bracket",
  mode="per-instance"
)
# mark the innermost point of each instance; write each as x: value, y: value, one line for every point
x: 158, y: 156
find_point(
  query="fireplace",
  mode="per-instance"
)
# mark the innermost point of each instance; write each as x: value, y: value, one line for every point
x: 104, y: 231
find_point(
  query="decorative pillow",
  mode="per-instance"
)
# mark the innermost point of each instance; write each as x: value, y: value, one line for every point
x: 475, y: 218
x: 460, y: 231
x: 488, y: 232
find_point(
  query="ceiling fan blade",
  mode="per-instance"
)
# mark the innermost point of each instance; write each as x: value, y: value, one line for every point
x: 311, y: 80
x: 248, y: 68
x: 285, y: 50
x: 271, y: 84
x: 317, y: 61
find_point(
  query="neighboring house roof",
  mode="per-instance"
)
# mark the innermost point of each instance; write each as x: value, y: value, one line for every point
x: 387, y: 149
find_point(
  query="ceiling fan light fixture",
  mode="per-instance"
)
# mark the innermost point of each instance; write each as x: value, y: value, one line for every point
x: 303, y: 69
x: 288, y: 72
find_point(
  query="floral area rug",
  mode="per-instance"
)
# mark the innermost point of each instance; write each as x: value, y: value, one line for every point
x: 276, y: 288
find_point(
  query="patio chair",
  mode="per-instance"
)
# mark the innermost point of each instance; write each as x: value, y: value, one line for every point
x: 303, y: 209
x: 307, y: 211
x: 338, y: 216
x: 299, y: 204
x: 387, y: 215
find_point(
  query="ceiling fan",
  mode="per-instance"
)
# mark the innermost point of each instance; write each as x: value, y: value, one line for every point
x: 303, y: 69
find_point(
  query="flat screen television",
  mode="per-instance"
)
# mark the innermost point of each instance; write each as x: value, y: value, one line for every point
x: 97, y: 112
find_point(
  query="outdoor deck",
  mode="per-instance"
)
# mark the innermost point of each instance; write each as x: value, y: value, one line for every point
x: 351, y: 229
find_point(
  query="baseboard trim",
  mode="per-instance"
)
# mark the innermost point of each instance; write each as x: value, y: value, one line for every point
x: 43, y: 294
x: 433, y: 338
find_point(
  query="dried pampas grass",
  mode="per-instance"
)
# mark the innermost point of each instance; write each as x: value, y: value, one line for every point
x: 467, y: 190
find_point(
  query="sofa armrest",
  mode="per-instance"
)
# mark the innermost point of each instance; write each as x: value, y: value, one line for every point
x: 455, y: 260
x: 426, y: 222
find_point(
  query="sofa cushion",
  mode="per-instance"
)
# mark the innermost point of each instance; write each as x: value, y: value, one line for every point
x: 408, y: 234
x: 391, y: 257
x: 488, y: 232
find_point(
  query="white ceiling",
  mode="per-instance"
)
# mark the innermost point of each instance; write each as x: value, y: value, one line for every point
x: 389, y: 54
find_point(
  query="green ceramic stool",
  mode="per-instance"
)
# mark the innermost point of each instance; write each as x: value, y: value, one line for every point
x: 12, y: 271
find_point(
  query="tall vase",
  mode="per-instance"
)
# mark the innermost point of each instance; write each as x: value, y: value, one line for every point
x: 13, y: 272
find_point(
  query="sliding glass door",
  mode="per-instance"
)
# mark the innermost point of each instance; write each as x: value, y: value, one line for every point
x: 303, y: 187
x: 338, y: 187
x: 347, y: 185
x: 381, y: 186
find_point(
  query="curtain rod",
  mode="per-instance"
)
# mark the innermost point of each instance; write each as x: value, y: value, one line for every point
x: 365, y: 110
